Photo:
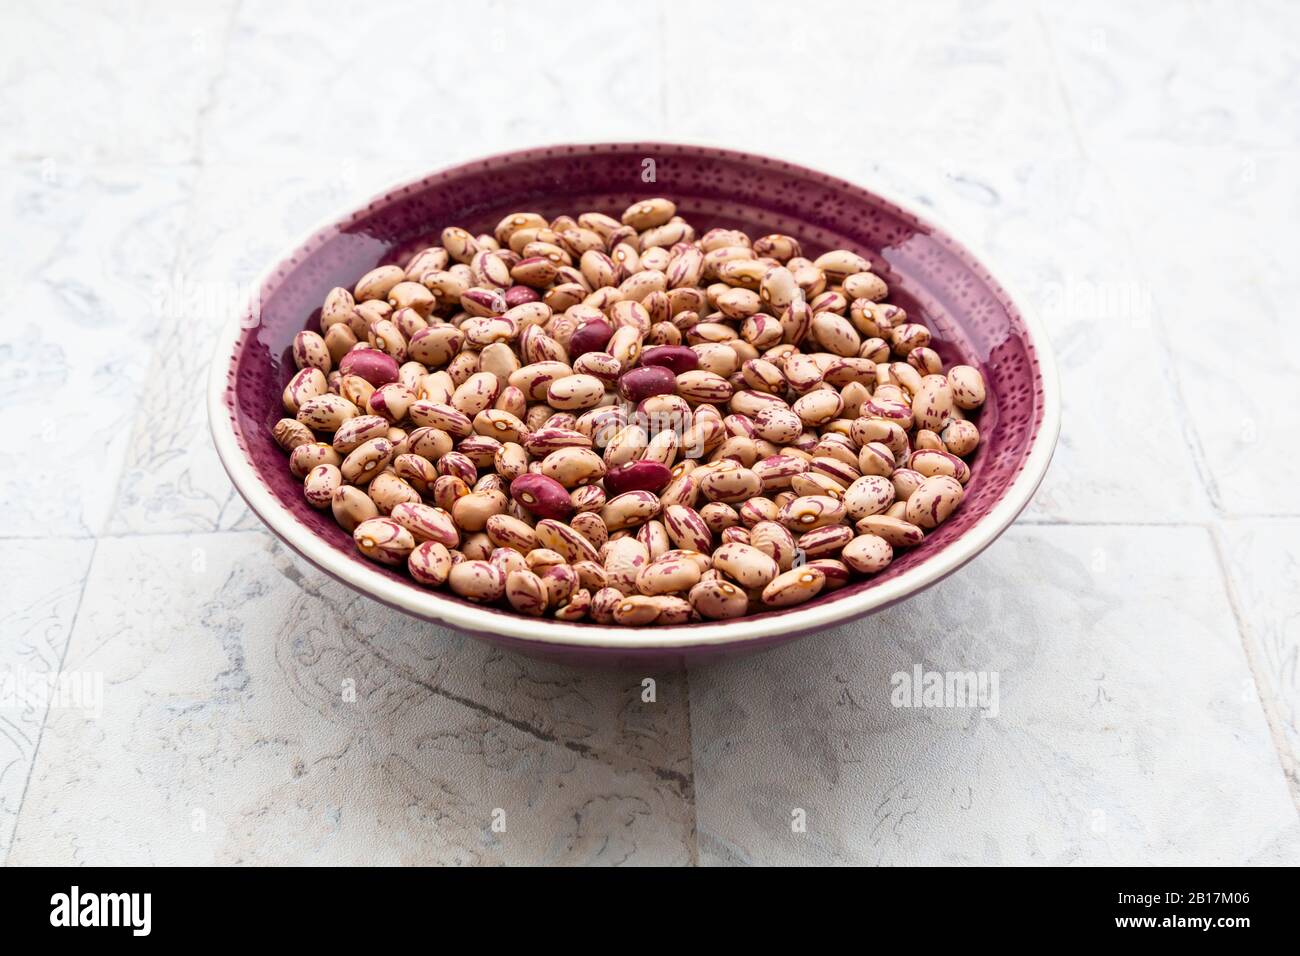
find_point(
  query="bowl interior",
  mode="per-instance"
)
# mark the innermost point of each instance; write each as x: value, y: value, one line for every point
x: 938, y: 281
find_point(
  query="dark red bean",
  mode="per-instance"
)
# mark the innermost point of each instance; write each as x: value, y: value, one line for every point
x: 679, y: 358
x: 641, y: 383
x: 543, y: 496
x: 591, y: 336
x: 376, y: 367
x: 650, y: 476
x: 519, y: 294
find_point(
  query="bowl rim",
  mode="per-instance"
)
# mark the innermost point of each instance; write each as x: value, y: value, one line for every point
x: 430, y: 606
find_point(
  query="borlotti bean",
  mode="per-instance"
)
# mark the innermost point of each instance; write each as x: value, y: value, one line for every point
x: 624, y: 420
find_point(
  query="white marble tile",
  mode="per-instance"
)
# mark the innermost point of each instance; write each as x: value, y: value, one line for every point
x: 1263, y: 563
x: 1047, y: 222
x: 127, y: 82
x: 1127, y: 726
x: 834, y: 81
x: 1227, y: 338
x: 1211, y: 73
x: 83, y: 265
x: 228, y: 735
x: 1201, y: 162
x: 499, y: 76
x: 241, y: 219
x: 42, y: 588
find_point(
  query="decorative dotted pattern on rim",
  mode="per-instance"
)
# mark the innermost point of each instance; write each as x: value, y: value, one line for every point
x: 938, y: 281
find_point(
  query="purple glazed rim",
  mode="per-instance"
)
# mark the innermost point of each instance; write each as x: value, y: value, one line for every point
x: 497, y: 624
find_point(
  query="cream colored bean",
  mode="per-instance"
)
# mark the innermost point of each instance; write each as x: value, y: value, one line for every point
x: 629, y: 509
x: 306, y: 384
x: 575, y: 392
x: 573, y: 467
x: 636, y: 610
x: 776, y: 541
x: 477, y: 581
x: 778, y: 424
x: 308, y: 456
x: 507, y: 531
x: 565, y: 541
x: 868, y: 554
x: 812, y: 511
x: 289, y: 433
x: 825, y: 542
x: 526, y: 593
x: 320, y: 484
x: 934, y: 501
x: 731, y: 486
x: 968, y: 390
x: 932, y: 404
x: 355, y: 432
x: 868, y: 495
x: 326, y: 413
x: 819, y: 407
x: 905, y: 482
x: 668, y: 574
x: 746, y: 565
x: 351, y: 506
x: 794, y: 587
x: 701, y: 386
x: 687, y: 529
x: 472, y: 511
x: 383, y: 540
x: 377, y: 283
x: 960, y: 437
x: 718, y: 600
x: 430, y: 563
x: 649, y: 213
x: 387, y: 491
x: 561, y: 583
x: 623, y: 560
x: 930, y: 462
x: 476, y: 394
x: 367, y: 460
x: 899, y: 533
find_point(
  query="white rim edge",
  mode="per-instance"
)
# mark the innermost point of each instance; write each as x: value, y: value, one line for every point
x: 428, y: 605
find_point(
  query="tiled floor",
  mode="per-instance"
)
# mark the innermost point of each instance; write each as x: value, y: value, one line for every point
x: 216, y: 700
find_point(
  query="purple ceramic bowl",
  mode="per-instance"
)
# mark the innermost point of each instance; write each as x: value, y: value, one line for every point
x: 970, y: 314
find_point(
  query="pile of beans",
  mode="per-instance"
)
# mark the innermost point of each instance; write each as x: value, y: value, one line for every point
x: 623, y: 421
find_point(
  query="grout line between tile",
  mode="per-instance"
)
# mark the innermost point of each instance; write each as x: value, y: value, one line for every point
x: 693, y: 837
x: 1191, y: 438
x: 36, y: 751
x: 187, y: 220
x: 1287, y: 759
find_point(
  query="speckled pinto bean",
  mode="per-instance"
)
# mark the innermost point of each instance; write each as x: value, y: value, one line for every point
x: 745, y: 564
x: 668, y: 575
x: 629, y: 509
x: 794, y: 587
x: 810, y: 512
x: 430, y: 563
x: 934, y: 500
x: 570, y: 544
x: 478, y: 581
x: 383, y: 540
x: 716, y: 599
x: 616, y: 417
x: 320, y: 484
x: 427, y: 523
x: 868, y: 495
